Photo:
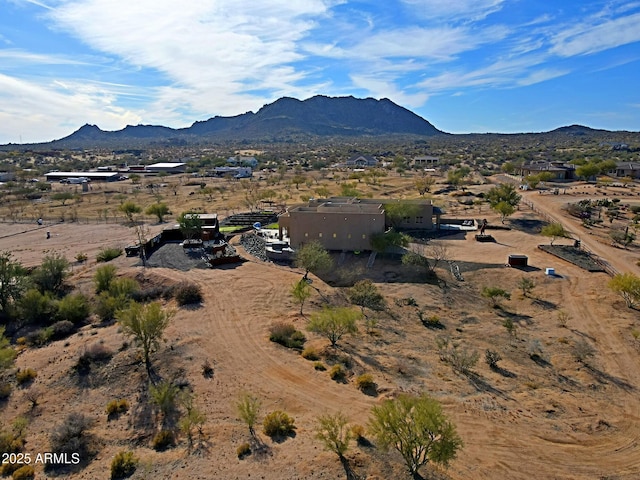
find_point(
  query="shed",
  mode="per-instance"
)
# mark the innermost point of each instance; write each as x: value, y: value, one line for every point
x: 518, y: 260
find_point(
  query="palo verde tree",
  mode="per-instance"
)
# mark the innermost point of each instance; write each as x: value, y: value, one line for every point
x: 554, y: 231
x: 396, y: 212
x: 12, y: 281
x: 146, y: 324
x: 313, y: 257
x: 159, y: 210
x: 627, y: 285
x: 494, y: 294
x: 380, y: 242
x: 301, y: 291
x: 334, y: 322
x: 416, y: 427
x: 334, y: 433
x: 190, y: 225
x: 503, y: 199
x: 51, y: 274
x: 130, y: 209
x: 248, y: 408
x: 366, y: 295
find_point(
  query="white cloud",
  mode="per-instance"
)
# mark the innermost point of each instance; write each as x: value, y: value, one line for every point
x: 587, y: 38
x: 466, y: 9
x: 55, y: 109
x: 381, y: 88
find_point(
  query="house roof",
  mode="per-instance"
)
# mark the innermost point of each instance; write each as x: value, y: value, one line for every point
x: 167, y: 165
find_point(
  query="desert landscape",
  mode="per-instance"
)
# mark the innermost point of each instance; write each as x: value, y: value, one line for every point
x: 562, y: 402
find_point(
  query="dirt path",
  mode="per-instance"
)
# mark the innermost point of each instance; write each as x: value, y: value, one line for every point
x: 552, y: 205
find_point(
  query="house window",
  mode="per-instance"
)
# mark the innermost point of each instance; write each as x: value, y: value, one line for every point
x: 335, y: 235
x: 406, y: 219
x: 364, y: 236
x: 306, y: 234
x: 419, y: 219
x: 320, y: 235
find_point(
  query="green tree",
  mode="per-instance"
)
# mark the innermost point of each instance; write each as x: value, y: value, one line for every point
x: 505, y: 210
x: 74, y: 308
x: 588, y: 170
x: 380, y: 242
x: 190, y: 225
x: 504, y: 192
x: 7, y: 353
x: 396, y: 212
x: 334, y: 433
x: 334, y: 322
x: 366, y: 295
x: 51, y: 273
x: 13, y: 281
x: 526, y: 285
x: 135, y: 178
x: 35, y: 307
x: 62, y: 197
x: 159, y: 210
x: 428, y: 256
x: 103, y: 277
x: 301, y: 291
x: 248, y: 408
x: 417, y: 428
x: 313, y: 257
x: 494, y: 294
x: 554, y: 231
x: 424, y: 183
x: 129, y: 209
x: 627, y: 285
x: 146, y: 324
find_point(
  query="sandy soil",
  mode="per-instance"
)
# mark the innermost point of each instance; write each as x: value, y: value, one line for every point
x: 554, y: 418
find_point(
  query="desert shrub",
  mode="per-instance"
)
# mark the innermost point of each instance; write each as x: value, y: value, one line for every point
x: 8, y: 469
x: 187, y: 293
x: 207, y: 369
x: 108, y: 253
x: 74, y: 308
x: 164, y: 396
x: 244, y: 450
x: 310, y: 353
x: 103, y: 277
x: 96, y: 353
x: 35, y: 307
x: 62, y: 329
x: 39, y: 337
x: 337, y: 373
x: 117, y: 406
x: 248, y: 408
x: 433, y: 322
x: 71, y: 436
x: 150, y: 294
x: 50, y: 275
x: 106, y: 305
x: 25, y: 376
x: 461, y: 359
x: 123, y: 465
x: 319, y: 366
x: 278, y: 424
x: 492, y: 358
x: 536, y: 351
x: 123, y: 287
x: 286, y: 334
x: 25, y: 472
x: 163, y: 440
x: 5, y: 390
x: 81, y: 257
x: 365, y: 382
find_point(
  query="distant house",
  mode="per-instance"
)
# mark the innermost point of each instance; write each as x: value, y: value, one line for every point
x: 426, y: 161
x: 560, y: 170
x: 361, y: 161
x: 169, y: 167
x: 243, y: 161
x: 346, y: 223
x: 7, y: 176
x: 626, y: 169
x: 94, y: 176
x: 235, y: 172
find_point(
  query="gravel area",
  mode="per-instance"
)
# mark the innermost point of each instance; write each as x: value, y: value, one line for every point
x: 254, y: 245
x: 172, y: 255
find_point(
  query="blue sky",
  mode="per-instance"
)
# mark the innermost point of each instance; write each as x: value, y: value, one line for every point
x: 464, y: 65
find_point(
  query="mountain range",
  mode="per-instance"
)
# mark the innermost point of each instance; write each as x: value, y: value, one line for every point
x: 285, y: 120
